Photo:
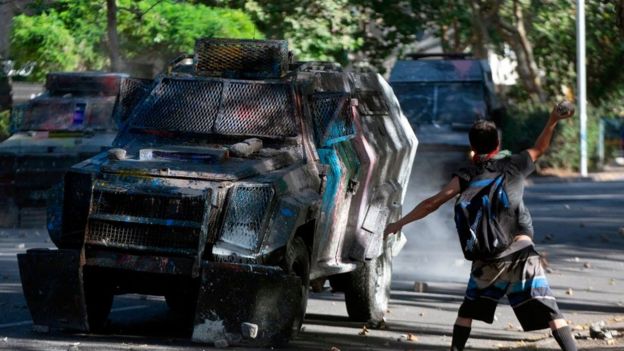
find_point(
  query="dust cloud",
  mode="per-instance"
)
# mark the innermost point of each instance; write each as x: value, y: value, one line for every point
x: 432, y: 252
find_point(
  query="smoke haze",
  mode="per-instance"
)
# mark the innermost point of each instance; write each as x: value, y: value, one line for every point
x: 432, y: 252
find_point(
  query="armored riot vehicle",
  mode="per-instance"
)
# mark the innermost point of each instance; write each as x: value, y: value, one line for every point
x: 442, y: 95
x: 75, y: 118
x: 228, y: 189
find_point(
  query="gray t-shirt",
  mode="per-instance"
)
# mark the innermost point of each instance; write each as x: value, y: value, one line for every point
x: 516, y: 168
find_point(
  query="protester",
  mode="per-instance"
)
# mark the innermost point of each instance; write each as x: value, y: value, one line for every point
x: 496, y: 232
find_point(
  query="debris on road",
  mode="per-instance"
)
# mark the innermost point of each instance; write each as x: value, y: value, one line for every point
x: 221, y: 344
x: 364, y: 331
x: 570, y: 292
x: 73, y: 347
x: 587, y: 265
x: 597, y: 331
x: 334, y: 348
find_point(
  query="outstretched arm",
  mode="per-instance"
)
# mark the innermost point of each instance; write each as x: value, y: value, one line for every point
x: 426, y: 206
x: 543, y: 141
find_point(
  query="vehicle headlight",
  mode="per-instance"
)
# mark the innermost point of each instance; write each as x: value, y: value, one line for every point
x: 246, y: 215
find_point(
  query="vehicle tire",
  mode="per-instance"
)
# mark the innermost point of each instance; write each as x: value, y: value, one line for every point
x: 297, y: 262
x: 99, y: 300
x: 338, y: 282
x: 367, y: 290
x: 183, y: 300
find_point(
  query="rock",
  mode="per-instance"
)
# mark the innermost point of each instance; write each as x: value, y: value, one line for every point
x: 581, y: 336
x: 221, y: 344
x: 249, y: 330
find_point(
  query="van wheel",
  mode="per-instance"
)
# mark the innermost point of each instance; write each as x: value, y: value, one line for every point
x: 367, y: 290
x: 297, y: 262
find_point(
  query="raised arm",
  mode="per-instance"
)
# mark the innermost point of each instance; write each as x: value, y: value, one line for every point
x: 426, y: 206
x: 543, y: 141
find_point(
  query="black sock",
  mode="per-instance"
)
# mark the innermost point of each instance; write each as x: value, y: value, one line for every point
x: 460, y: 336
x: 564, y: 338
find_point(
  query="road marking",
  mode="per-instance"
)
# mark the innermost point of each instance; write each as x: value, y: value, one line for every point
x: 119, y: 309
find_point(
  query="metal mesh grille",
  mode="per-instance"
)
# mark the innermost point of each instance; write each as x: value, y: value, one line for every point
x: 142, y: 236
x: 262, y: 109
x: 149, y: 206
x: 131, y: 92
x: 241, y: 58
x: 184, y: 105
x: 245, y: 214
x: 324, y: 107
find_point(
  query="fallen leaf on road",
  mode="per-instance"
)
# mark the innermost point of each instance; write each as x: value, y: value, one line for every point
x: 570, y: 291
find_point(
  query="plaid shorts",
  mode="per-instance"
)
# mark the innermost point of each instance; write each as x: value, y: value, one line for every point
x: 521, y: 277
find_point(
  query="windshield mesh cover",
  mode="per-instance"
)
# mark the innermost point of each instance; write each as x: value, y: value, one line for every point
x: 218, y: 106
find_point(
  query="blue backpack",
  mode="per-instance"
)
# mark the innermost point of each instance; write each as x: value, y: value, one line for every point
x: 477, y: 217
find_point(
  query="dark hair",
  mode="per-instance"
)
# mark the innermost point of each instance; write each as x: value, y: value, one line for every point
x: 483, y: 137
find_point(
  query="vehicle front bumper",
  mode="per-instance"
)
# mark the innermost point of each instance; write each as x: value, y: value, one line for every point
x: 231, y: 296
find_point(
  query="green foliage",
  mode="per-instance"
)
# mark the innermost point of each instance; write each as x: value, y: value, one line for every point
x: 43, y: 39
x: 170, y: 29
x: 315, y: 30
x: 553, y: 33
x: 4, y: 124
x: 71, y: 35
x: 525, y: 122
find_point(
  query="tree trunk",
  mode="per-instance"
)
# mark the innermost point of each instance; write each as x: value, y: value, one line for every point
x: 515, y: 35
x: 113, y: 40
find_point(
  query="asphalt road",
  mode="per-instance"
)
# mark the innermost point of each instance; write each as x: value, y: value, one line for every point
x: 577, y: 228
